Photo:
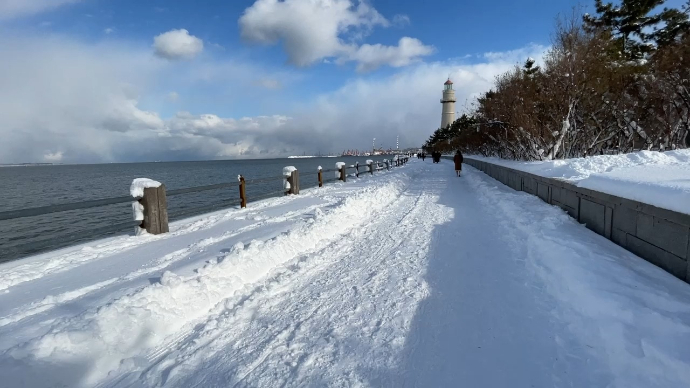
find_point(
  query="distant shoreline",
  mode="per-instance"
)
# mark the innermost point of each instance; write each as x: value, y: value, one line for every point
x: 307, y: 156
x: 29, y: 164
x: 185, y: 161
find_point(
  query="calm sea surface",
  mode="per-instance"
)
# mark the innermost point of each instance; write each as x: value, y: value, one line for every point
x: 31, y: 186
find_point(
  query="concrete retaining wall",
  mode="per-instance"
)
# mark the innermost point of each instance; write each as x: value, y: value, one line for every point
x: 659, y: 236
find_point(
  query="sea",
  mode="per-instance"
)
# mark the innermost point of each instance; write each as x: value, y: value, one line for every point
x: 30, y: 186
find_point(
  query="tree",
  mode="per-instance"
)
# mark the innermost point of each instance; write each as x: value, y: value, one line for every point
x: 630, y: 23
x: 588, y: 97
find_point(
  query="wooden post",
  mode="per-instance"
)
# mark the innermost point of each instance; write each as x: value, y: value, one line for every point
x: 155, y: 210
x: 343, y: 173
x: 371, y: 168
x: 320, y: 179
x: 243, y: 192
x: 357, y: 169
x: 293, y: 179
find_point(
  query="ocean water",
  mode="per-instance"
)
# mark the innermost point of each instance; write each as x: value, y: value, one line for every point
x: 32, y: 186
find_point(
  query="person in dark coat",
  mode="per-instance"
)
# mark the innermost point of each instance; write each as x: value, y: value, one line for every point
x: 458, y: 162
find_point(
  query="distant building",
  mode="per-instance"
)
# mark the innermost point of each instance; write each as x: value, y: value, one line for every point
x: 448, y: 102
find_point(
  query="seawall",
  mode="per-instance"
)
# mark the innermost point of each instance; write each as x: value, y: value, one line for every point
x: 660, y: 236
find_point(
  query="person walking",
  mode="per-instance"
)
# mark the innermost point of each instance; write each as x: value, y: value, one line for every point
x: 458, y: 162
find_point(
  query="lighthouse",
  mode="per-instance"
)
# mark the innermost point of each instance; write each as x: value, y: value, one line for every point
x: 448, y: 103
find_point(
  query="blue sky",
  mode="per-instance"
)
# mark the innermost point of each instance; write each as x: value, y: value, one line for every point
x: 248, y: 78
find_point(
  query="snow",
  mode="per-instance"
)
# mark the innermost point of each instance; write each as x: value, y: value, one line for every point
x: 287, y: 172
x: 657, y: 178
x: 138, y: 211
x: 368, y: 162
x: 408, y: 277
x: 139, y: 184
x: 338, y: 166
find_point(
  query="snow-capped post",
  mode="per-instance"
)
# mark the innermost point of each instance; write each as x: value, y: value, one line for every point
x: 341, y: 171
x: 291, y: 183
x: 320, y: 177
x: 151, y: 206
x: 243, y: 191
x: 370, y: 164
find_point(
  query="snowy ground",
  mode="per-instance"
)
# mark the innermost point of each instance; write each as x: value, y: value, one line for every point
x: 661, y: 179
x: 413, y: 277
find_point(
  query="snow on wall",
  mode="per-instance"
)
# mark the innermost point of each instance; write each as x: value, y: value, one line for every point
x: 139, y: 184
x: 657, y: 178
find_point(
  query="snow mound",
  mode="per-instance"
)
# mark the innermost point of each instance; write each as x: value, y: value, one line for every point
x: 657, y: 178
x: 139, y: 184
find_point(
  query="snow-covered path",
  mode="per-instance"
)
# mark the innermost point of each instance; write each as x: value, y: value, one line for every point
x: 411, y: 278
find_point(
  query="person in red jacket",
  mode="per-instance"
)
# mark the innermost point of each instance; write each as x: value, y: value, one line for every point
x: 458, y: 162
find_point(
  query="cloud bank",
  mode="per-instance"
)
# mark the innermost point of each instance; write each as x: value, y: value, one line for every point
x: 10, y: 9
x: 71, y: 102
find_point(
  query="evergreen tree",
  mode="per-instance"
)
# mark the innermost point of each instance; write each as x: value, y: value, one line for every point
x: 630, y: 22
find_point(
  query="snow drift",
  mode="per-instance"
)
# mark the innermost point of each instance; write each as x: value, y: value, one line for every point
x: 661, y: 179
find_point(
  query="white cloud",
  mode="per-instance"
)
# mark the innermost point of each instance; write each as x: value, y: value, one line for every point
x: 173, y: 96
x: 53, y: 156
x: 10, y: 9
x: 81, y: 100
x: 408, y: 50
x: 312, y: 31
x: 177, y: 44
x: 84, y: 103
x: 108, y: 31
x: 405, y: 104
x: 401, y: 20
x: 270, y: 83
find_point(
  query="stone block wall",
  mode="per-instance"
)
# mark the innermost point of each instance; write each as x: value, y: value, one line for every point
x: 657, y: 235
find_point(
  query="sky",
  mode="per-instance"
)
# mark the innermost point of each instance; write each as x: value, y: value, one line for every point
x: 100, y: 81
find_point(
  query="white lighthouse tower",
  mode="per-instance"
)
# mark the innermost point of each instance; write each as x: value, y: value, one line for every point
x: 448, y: 102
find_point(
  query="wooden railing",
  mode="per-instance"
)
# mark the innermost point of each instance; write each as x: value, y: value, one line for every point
x: 154, y: 201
